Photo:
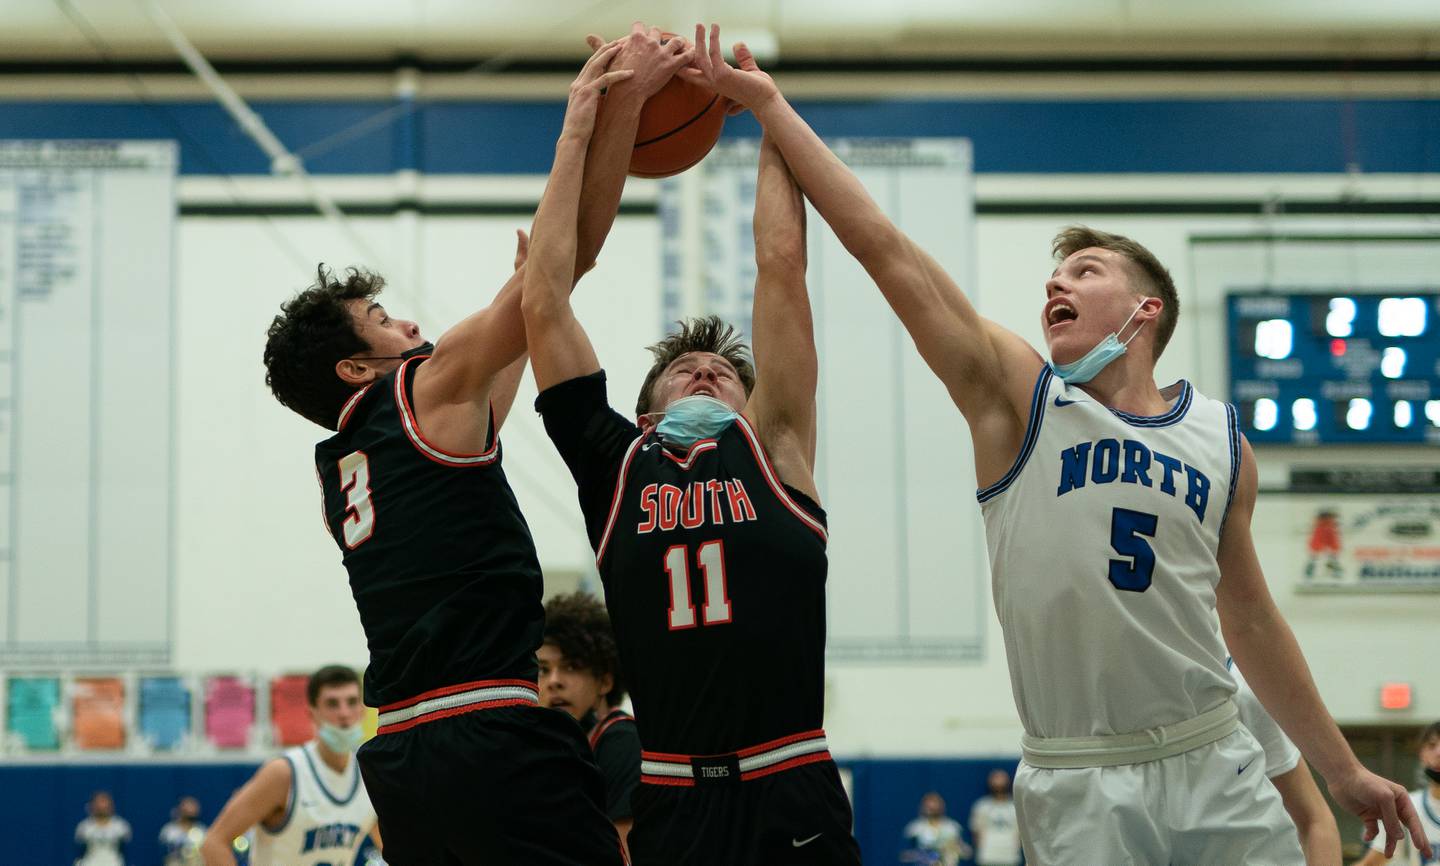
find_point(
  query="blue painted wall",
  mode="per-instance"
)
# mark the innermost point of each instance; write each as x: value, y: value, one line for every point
x: 1201, y: 135
x: 41, y: 804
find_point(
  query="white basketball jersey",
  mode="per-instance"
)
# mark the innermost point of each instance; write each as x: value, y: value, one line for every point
x: 1102, y: 540
x: 327, y: 817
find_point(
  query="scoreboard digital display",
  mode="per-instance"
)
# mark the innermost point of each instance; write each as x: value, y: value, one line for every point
x: 1336, y: 366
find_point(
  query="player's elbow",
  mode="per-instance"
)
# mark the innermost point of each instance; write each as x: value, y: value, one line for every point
x: 874, y: 242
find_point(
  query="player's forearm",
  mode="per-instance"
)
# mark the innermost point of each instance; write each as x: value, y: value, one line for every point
x: 779, y: 222
x: 1320, y: 840
x: 1268, y: 655
x: 606, y: 167
x: 551, y: 263
x: 831, y: 186
x: 215, y: 851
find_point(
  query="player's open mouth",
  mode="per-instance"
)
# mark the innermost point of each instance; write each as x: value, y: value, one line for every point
x: 703, y: 389
x: 1059, y: 312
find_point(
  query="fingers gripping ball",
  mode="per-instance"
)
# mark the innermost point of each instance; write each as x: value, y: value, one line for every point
x: 678, y: 126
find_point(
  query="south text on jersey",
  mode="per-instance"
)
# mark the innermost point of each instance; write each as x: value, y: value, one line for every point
x: 668, y: 506
x: 1126, y: 461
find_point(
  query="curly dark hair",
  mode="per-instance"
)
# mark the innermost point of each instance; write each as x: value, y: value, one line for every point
x: 313, y: 333
x: 702, y: 334
x: 577, y: 625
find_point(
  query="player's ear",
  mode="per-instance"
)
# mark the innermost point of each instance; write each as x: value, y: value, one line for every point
x: 354, y: 373
x: 607, y: 685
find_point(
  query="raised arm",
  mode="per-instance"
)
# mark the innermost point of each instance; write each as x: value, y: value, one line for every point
x: 975, y: 358
x: 1267, y: 653
x: 559, y: 347
x: 782, y: 406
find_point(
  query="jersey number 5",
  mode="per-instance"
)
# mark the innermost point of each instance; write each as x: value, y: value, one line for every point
x: 359, y: 523
x: 1128, y: 533
x: 711, y: 557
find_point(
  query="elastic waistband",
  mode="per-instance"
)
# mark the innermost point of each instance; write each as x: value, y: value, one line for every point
x: 753, y: 762
x: 454, y: 701
x: 1069, y: 753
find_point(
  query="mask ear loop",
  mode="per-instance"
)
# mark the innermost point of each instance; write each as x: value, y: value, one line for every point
x: 1133, y: 314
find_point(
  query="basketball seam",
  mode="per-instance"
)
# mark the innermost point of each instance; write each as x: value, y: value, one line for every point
x: 704, y: 111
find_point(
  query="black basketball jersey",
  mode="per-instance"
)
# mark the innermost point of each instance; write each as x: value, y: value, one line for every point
x: 441, y: 562
x: 714, y: 575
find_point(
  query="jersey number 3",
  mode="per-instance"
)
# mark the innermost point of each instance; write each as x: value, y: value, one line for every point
x: 1129, y: 531
x: 711, y: 558
x: 359, y: 522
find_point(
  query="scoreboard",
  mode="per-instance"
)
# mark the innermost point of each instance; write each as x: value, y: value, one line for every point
x: 1334, y: 366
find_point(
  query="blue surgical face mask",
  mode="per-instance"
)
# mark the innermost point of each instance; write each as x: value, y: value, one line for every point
x: 1089, y: 366
x: 690, y: 419
x: 341, y: 740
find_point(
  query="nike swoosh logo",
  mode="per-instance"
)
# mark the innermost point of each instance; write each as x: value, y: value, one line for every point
x: 798, y: 843
x: 1244, y: 766
x: 1062, y: 402
x: 648, y: 446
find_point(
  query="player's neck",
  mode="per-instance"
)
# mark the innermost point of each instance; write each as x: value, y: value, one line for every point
x: 1435, y: 790
x: 1128, y: 384
x: 336, y: 761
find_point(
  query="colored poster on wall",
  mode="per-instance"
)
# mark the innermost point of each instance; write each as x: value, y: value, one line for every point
x: 229, y: 711
x: 99, y: 713
x: 290, y: 710
x: 1370, y: 545
x: 30, y: 713
x: 164, y: 720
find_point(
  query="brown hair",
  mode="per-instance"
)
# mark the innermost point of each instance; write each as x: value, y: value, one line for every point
x: 1072, y: 239
x: 330, y: 675
x: 703, y: 334
x: 313, y: 333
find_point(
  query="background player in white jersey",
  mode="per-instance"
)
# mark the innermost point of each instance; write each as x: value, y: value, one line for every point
x: 1107, y: 593
x: 1288, y: 772
x: 994, y: 825
x: 1427, y: 801
x: 309, y: 806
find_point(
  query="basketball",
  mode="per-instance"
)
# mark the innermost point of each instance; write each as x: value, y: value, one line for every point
x: 678, y: 126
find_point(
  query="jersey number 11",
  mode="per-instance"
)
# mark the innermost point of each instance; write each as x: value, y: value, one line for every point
x: 711, y: 558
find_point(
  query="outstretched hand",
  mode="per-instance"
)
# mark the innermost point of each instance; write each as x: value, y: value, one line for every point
x: 745, y: 85
x: 586, y: 89
x: 1379, y: 802
x: 653, y: 56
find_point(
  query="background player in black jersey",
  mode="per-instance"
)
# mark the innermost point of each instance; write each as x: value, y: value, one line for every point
x: 441, y: 562
x: 711, y: 545
x: 580, y: 674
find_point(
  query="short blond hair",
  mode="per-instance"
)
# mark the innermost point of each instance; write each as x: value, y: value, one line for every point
x: 1073, y: 239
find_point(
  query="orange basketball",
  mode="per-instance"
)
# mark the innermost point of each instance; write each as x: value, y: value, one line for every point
x: 678, y: 126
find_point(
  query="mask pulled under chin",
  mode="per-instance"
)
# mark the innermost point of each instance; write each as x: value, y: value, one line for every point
x: 342, y: 740
x: 690, y: 419
x: 1089, y: 366
x: 426, y: 348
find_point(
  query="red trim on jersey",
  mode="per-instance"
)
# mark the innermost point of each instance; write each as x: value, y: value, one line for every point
x: 775, y: 744
x: 667, y: 780
x: 791, y: 764
x: 456, y: 689
x: 615, y: 502
x: 774, y: 480
x: 425, y: 447
x: 350, y: 407
x: 698, y: 447
x: 453, y: 711
x: 614, y: 718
